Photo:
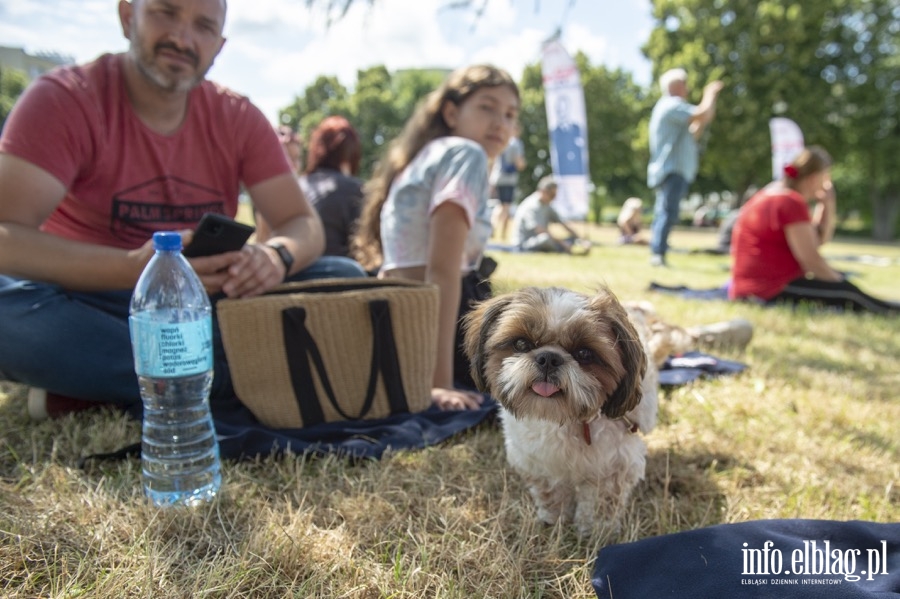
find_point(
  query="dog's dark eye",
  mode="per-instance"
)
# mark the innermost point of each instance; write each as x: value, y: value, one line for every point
x: 583, y: 356
x: 522, y: 345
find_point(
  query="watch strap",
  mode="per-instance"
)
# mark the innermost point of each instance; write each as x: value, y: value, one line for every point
x: 287, y: 258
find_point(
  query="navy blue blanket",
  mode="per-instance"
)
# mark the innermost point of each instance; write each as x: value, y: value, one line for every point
x: 690, y: 366
x: 706, y: 293
x: 794, y: 559
x: 242, y: 436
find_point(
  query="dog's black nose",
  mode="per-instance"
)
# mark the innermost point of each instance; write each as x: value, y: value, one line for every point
x: 548, y: 361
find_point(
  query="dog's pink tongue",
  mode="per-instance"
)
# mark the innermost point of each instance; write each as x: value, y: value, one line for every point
x: 544, y: 389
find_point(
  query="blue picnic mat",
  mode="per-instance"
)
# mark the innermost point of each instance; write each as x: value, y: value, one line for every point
x: 793, y: 559
x: 701, y: 293
x: 242, y: 436
x: 690, y: 366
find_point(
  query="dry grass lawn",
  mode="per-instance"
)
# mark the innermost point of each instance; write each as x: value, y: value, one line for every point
x: 809, y: 431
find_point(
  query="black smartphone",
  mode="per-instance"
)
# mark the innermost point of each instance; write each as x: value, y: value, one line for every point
x: 216, y: 234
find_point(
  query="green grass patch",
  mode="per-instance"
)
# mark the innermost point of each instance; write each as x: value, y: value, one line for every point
x: 809, y: 431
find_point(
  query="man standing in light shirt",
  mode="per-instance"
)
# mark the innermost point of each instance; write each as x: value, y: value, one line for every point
x: 675, y: 127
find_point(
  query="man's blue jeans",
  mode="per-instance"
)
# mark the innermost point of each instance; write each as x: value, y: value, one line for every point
x: 78, y: 345
x: 665, y: 213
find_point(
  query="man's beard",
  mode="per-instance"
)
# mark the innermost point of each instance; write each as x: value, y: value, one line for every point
x: 166, y: 81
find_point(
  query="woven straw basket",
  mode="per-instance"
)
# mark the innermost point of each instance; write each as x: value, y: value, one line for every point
x: 303, y: 353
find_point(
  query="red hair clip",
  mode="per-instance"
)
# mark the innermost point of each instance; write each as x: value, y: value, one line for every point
x: 791, y: 171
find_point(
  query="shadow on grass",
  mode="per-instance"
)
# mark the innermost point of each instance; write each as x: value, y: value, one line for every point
x: 864, y: 438
x: 679, y: 491
x: 807, y: 367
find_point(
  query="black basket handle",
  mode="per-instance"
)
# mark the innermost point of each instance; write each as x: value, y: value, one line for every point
x: 301, y: 349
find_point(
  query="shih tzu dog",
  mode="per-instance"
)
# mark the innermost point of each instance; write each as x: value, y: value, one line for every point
x: 576, y: 389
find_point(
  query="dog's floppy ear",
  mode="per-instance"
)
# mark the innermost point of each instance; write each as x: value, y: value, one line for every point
x: 477, y: 325
x: 628, y: 394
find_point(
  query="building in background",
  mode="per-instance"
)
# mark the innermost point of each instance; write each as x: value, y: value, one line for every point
x: 32, y: 65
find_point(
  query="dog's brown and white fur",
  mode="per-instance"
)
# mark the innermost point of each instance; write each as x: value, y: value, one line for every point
x: 576, y: 387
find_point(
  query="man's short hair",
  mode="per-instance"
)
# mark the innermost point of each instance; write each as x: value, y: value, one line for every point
x: 547, y: 182
x: 670, y: 77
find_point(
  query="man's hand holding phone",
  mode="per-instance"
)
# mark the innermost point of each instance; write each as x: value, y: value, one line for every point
x: 217, y: 234
x: 226, y: 264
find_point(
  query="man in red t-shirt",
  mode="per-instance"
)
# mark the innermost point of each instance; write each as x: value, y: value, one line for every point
x: 94, y: 159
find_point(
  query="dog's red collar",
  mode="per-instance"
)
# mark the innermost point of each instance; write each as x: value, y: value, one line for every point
x: 633, y: 427
x: 586, y: 431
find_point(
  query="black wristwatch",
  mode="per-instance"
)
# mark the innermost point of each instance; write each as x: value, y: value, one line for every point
x: 286, y: 257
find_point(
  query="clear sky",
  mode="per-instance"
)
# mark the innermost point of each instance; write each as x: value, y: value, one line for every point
x: 276, y: 48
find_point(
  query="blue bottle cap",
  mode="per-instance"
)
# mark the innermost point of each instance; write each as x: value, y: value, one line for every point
x: 167, y: 241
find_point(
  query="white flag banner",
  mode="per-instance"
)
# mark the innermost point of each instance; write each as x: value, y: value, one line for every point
x: 567, y: 125
x: 787, y: 142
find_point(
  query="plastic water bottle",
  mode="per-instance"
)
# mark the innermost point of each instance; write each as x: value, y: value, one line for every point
x: 171, y: 338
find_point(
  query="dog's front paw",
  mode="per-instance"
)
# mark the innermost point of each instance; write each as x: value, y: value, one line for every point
x: 599, y: 511
x: 554, y: 503
x: 548, y: 516
x: 605, y: 527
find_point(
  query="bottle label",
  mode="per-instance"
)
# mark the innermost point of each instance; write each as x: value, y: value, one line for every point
x: 169, y: 350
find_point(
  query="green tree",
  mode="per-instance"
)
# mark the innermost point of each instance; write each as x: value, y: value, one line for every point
x: 383, y: 102
x: 378, y: 106
x: 12, y: 84
x: 533, y: 128
x: 830, y: 65
x: 615, y: 109
x: 412, y: 85
x: 326, y: 96
x: 375, y: 113
x: 861, y: 52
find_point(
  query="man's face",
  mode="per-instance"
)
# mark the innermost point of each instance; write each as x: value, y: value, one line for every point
x: 679, y: 89
x: 548, y: 195
x: 174, y: 42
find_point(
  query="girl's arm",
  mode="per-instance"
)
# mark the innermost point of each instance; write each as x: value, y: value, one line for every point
x: 448, y: 230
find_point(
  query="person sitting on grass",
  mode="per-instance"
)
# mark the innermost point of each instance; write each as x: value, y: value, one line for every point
x: 775, y: 242
x: 630, y: 222
x: 330, y: 181
x: 531, y: 232
x: 426, y: 215
x: 93, y: 160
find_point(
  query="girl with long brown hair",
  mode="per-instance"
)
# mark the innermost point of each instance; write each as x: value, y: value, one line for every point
x: 426, y: 215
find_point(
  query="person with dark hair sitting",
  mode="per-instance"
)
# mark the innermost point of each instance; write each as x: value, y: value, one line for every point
x: 775, y: 243
x: 330, y: 184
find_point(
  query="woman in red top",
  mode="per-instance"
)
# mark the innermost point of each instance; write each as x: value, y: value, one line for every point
x: 775, y: 245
